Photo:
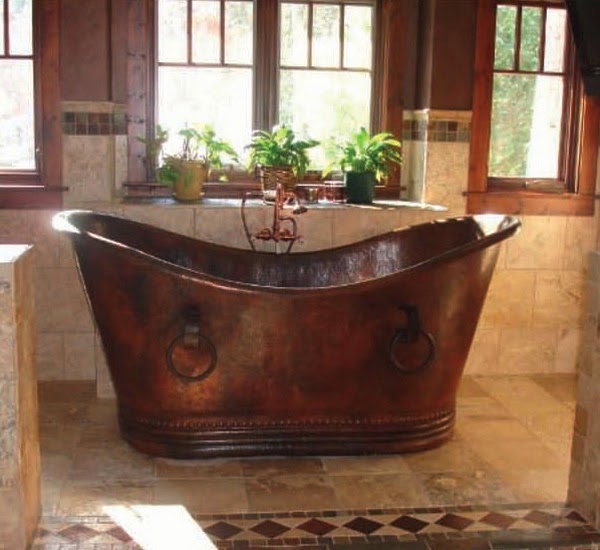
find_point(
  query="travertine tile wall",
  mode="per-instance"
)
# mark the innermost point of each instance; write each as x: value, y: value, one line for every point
x: 533, y: 315
x: 531, y: 322
x: 19, y: 440
x: 584, y: 483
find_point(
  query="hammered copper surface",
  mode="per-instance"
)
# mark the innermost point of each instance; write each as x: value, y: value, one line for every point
x: 218, y: 351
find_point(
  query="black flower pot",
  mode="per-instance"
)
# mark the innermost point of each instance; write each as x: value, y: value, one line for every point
x: 359, y: 187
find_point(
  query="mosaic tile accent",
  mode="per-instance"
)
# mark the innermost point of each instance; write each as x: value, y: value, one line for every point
x: 94, y: 124
x: 539, y: 526
x: 437, y: 130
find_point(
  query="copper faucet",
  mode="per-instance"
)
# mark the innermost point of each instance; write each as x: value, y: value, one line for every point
x: 284, y: 227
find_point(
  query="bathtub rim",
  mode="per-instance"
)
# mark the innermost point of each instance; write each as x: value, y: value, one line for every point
x: 512, y: 224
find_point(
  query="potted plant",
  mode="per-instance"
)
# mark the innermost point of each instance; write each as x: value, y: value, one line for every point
x: 280, y: 158
x: 365, y: 159
x: 187, y: 170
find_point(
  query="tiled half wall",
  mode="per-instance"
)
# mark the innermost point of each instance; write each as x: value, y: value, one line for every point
x: 531, y: 322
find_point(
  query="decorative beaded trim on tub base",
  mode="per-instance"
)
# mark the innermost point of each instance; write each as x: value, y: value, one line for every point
x: 205, y: 438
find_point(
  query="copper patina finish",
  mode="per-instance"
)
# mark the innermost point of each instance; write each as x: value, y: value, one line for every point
x: 216, y: 351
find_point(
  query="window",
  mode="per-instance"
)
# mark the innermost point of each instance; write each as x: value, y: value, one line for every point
x: 207, y: 73
x: 534, y: 135
x: 30, y: 152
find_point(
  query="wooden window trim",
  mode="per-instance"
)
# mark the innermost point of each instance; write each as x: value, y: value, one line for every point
x: 42, y: 188
x: 482, y: 194
x: 387, y: 89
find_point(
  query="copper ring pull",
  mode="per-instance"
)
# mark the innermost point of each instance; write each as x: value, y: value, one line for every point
x: 412, y: 333
x: 191, y: 356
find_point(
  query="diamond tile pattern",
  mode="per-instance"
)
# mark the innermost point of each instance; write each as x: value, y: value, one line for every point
x: 453, y: 521
x: 327, y: 530
x: 410, y: 524
x: 222, y: 530
x: 363, y: 525
x: 317, y: 527
x: 269, y: 529
x: 496, y: 519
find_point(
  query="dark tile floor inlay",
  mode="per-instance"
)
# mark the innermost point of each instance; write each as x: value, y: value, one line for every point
x: 542, y: 525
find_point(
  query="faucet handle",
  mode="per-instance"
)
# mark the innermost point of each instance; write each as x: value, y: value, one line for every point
x: 300, y: 209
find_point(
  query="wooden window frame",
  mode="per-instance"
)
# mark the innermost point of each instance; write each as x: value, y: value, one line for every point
x: 386, y: 106
x: 41, y: 188
x: 580, y: 146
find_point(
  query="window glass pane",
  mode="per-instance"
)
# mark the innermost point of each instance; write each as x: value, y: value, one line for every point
x: 172, y: 31
x: 206, y: 31
x: 2, y: 52
x: 322, y: 104
x: 294, y: 35
x: 218, y: 96
x: 357, y: 36
x: 238, y: 32
x: 326, y: 36
x: 556, y: 26
x: 506, y: 21
x: 531, y: 27
x: 526, y: 125
x: 20, y: 20
x: 17, y: 138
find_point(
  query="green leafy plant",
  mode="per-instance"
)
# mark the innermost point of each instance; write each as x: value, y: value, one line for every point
x: 279, y: 148
x: 199, y: 146
x: 154, y: 147
x: 363, y: 153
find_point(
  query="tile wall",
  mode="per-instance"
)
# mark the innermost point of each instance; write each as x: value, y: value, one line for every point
x: 584, y: 483
x: 19, y: 440
x: 532, y: 319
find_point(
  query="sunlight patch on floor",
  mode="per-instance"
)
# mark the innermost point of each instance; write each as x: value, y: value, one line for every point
x: 159, y: 527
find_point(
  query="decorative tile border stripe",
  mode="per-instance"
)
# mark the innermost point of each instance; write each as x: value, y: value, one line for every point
x: 437, y: 130
x: 428, y: 528
x: 94, y: 124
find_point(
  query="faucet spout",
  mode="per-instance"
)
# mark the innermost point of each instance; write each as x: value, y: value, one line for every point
x: 284, y: 227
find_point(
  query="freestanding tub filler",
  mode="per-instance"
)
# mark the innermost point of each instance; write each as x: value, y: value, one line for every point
x: 216, y: 351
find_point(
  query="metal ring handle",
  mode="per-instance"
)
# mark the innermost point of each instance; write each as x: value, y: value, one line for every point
x: 191, y: 356
x: 400, y: 338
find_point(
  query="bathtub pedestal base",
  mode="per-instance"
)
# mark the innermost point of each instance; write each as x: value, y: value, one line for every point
x: 190, y: 438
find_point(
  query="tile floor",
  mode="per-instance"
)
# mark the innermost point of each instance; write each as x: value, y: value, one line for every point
x: 509, y: 458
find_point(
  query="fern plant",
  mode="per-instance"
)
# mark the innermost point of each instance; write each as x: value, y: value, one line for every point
x: 279, y: 148
x: 363, y: 153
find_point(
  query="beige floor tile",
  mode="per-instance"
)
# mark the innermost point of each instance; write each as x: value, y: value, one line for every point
x: 467, y: 487
x: 481, y: 407
x: 194, y: 469
x: 290, y: 492
x: 377, y: 464
x: 453, y: 456
x: 537, y: 485
x: 516, y: 455
x: 380, y: 491
x: 89, y: 498
x: 118, y: 462
x: 490, y: 429
x: 203, y: 496
x: 281, y: 466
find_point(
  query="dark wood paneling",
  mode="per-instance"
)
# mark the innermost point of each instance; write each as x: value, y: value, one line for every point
x: 118, y: 46
x: 455, y: 23
x: 85, y: 50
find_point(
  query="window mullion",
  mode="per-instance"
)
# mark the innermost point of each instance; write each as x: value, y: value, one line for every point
x: 6, y: 31
x: 518, y: 23
x: 266, y: 64
x: 189, y: 28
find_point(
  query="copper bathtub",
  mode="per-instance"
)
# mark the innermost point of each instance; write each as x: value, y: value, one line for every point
x: 216, y: 351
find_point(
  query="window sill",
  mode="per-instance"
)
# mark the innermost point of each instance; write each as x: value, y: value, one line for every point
x: 530, y: 203
x: 31, y: 196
